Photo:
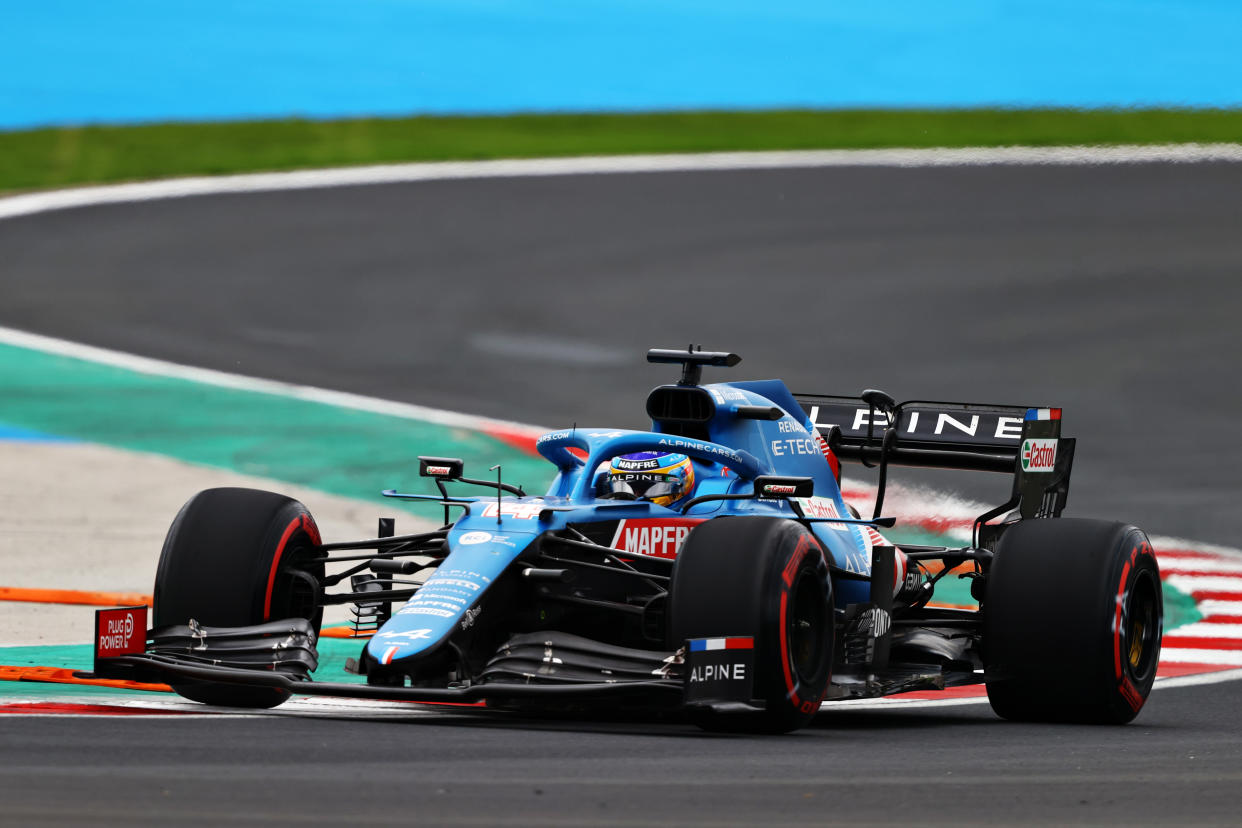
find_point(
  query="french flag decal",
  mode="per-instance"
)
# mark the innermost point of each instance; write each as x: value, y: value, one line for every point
x: 1043, y: 414
x: 698, y: 645
x: 388, y: 654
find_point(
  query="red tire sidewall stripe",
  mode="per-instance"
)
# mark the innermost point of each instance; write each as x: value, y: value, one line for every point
x: 1124, y: 684
x: 790, y: 689
x: 302, y: 522
x: 1118, y: 620
x: 788, y: 576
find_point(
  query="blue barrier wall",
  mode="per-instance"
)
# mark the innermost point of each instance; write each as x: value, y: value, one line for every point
x: 69, y: 61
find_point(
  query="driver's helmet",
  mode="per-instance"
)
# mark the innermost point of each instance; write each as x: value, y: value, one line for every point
x: 659, y: 476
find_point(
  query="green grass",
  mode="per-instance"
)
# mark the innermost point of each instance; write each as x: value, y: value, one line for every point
x: 44, y: 158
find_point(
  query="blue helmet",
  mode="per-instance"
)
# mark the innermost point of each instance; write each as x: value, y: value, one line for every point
x: 659, y: 476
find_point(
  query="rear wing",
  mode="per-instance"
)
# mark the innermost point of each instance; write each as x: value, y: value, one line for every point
x: 874, y: 430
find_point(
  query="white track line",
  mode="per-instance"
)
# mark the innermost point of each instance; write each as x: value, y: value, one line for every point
x: 1199, y: 679
x: 897, y: 703
x: 1208, y: 629
x: 1206, y: 583
x: 1200, y: 566
x: 1180, y: 547
x: 41, y: 202
x: 1179, y: 655
x: 1213, y: 607
x: 167, y: 705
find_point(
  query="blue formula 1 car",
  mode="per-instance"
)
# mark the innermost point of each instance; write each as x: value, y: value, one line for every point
x: 709, y: 565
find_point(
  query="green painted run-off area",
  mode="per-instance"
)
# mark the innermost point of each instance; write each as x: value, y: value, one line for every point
x: 336, y: 450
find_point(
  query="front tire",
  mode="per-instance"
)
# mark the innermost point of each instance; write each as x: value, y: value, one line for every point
x: 1072, y: 620
x: 766, y: 578
x: 234, y: 558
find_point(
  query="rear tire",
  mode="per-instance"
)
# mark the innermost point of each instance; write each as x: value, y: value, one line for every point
x: 1072, y: 620
x: 228, y: 561
x: 765, y: 578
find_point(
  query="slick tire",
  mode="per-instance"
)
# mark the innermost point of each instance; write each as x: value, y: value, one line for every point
x: 229, y: 560
x: 1072, y: 618
x: 766, y: 578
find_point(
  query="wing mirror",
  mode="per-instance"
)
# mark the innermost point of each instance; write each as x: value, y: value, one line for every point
x: 441, y: 468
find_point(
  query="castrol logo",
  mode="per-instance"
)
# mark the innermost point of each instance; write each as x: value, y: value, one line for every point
x: 1039, y: 455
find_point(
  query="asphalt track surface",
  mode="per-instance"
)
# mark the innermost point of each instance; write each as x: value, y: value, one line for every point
x: 1110, y: 291
x: 1181, y: 763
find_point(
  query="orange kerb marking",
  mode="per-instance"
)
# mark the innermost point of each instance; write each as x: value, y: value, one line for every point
x: 71, y: 709
x: 60, y: 675
x: 522, y: 439
x: 342, y: 632
x: 73, y: 596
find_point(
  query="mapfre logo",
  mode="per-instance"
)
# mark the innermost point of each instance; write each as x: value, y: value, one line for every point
x: 1039, y: 455
x: 653, y: 537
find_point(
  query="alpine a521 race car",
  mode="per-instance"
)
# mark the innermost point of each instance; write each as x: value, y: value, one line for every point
x: 709, y: 565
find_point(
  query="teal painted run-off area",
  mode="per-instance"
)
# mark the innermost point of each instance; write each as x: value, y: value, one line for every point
x: 73, y: 62
x: 335, y: 450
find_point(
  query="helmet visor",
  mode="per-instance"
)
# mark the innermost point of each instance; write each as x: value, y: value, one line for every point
x: 640, y: 484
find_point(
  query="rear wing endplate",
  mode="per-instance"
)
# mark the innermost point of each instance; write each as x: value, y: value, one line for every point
x: 874, y: 430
